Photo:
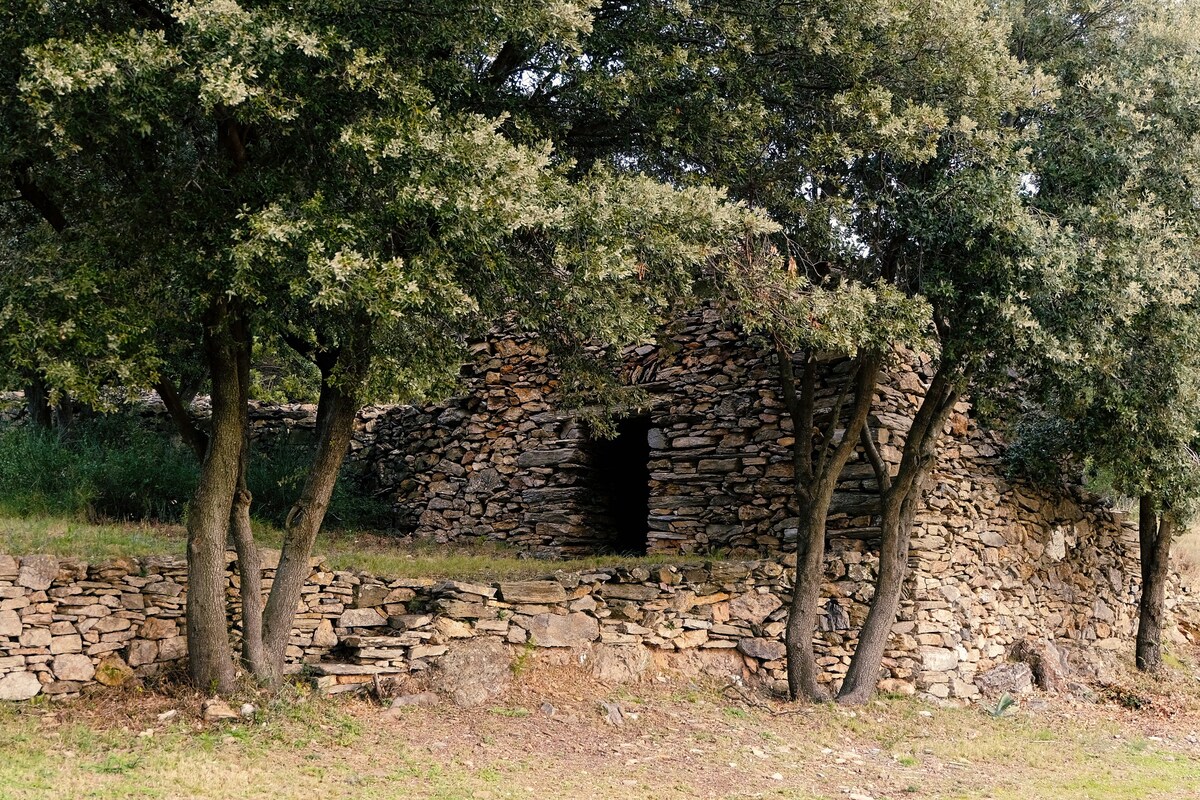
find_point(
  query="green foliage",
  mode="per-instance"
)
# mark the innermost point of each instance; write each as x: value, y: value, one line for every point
x: 113, y: 468
x: 106, y: 469
x: 1004, y: 704
x: 277, y: 471
x: 1114, y: 303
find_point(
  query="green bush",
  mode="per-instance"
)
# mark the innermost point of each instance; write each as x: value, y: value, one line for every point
x: 113, y: 468
x: 276, y: 475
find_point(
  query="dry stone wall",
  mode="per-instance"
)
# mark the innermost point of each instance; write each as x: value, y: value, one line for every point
x: 65, y: 624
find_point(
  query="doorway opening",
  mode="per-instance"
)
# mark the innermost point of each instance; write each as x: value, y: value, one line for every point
x: 621, y: 480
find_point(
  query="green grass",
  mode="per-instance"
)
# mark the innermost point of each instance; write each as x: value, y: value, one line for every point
x: 366, y: 552
x: 67, y: 538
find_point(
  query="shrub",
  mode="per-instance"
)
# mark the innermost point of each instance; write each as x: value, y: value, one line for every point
x: 115, y: 468
x: 276, y: 475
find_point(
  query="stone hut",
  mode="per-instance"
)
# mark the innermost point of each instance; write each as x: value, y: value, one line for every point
x: 705, y: 465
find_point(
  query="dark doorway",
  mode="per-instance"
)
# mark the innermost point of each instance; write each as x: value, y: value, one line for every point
x: 621, y: 467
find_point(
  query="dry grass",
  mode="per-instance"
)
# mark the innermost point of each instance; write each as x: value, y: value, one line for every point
x: 368, y: 552
x: 681, y: 740
x: 1186, y: 555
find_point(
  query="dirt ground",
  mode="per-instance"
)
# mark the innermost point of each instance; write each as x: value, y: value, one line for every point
x: 553, y: 737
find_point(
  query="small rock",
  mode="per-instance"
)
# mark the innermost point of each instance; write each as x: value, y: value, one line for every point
x: 324, y: 636
x: 155, y: 628
x: 548, y: 709
x: 73, y: 667
x: 247, y: 710
x: 167, y: 716
x: 612, y: 714
x: 425, y: 699
x: 533, y: 592
x: 217, y: 710
x: 113, y: 671
x: 360, y: 618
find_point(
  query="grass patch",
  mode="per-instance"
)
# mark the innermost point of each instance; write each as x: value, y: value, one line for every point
x: 67, y: 538
x: 676, y: 748
x: 371, y: 553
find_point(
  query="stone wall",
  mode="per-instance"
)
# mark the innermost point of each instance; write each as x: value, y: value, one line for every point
x: 65, y: 624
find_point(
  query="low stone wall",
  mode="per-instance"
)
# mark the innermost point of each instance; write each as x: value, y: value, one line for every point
x: 65, y: 624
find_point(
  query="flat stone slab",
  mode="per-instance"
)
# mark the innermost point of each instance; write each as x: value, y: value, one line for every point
x: 563, y: 630
x: 360, y: 618
x: 533, y: 592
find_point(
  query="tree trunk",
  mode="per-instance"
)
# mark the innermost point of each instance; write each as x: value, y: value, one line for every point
x: 900, y: 497
x: 815, y: 480
x: 37, y: 402
x: 343, y: 371
x: 248, y: 556
x: 1155, y: 531
x: 177, y: 410
x: 209, y: 653
x: 250, y: 574
x: 335, y: 423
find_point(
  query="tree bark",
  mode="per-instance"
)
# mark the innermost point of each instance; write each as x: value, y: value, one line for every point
x: 37, y: 402
x: 815, y: 480
x: 248, y: 556
x: 1155, y: 531
x: 209, y: 653
x: 335, y: 424
x: 177, y: 410
x: 900, y: 497
x: 337, y: 406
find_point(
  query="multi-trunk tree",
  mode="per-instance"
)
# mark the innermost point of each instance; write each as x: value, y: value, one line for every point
x: 879, y: 137
x: 339, y: 178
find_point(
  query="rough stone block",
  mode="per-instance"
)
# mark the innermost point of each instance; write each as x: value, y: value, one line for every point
x: 73, y: 667
x: 563, y: 630
x: 533, y: 592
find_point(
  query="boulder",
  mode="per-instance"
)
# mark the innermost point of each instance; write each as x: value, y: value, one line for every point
x: 474, y: 671
x: 37, y: 572
x: 1011, y: 679
x: 763, y: 649
x: 615, y: 664
x: 753, y: 607
x: 1049, y: 665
